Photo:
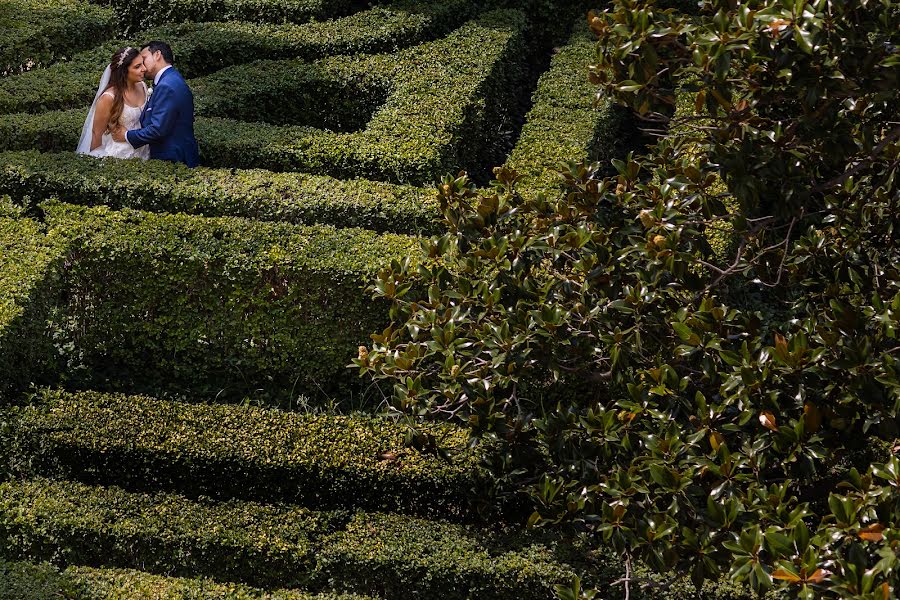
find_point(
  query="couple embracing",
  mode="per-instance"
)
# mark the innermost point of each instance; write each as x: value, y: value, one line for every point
x: 129, y: 120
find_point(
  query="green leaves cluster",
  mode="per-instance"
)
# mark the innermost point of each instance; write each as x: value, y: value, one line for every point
x: 695, y: 360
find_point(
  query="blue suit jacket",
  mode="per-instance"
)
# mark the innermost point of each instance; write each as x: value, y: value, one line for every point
x: 167, y: 123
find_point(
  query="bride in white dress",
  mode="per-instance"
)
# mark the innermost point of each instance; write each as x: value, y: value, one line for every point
x: 119, y: 102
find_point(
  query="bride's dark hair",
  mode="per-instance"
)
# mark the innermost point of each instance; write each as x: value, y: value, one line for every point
x: 118, y: 81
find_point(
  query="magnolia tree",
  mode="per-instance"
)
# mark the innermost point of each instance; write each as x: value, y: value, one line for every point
x: 694, y: 360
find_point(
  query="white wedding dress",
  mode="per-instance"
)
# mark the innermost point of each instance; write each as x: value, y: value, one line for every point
x: 131, y: 119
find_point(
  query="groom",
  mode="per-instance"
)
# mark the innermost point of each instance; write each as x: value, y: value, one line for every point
x: 167, y: 123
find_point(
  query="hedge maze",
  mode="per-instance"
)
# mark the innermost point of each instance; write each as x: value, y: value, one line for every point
x: 177, y: 411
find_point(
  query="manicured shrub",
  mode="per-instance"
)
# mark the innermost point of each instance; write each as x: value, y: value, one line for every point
x: 133, y: 16
x: 28, y: 269
x: 262, y: 195
x: 227, y: 451
x: 261, y: 544
x: 202, y: 48
x: 30, y: 581
x: 212, y: 306
x: 37, y: 32
x: 563, y: 125
x: 274, y: 545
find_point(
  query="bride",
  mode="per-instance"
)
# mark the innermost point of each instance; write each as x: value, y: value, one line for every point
x: 119, y: 102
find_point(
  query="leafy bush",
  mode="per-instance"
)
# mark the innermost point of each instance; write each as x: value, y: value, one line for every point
x: 258, y: 454
x: 561, y: 125
x: 693, y: 411
x: 27, y: 581
x: 211, y: 305
x: 262, y: 195
x: 34, y: 33
x: 202, y: 48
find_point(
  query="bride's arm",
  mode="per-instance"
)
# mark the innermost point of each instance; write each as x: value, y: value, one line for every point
x: 101, y: 120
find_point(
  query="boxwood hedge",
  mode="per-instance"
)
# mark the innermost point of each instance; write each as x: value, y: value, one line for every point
x: 563, y: 125
x: 262, y: 195
x: 37, y: 32
x: 272, y: 545
x: 202, y: 48
x: 135, y: 16
x: 29, y: 264
x: 213, y: 305
x: 31, y: 581
x: 228, y: 451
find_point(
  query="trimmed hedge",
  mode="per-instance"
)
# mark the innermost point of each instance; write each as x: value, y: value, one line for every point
x: 260, y: 544
x: 28, y: 269
x: 224, y: 451
x: 272, y: 545
x: 220, y: 306
x: 202, y: 48
x: 134, y: 16
x: 37, y: 32
x: 263, y: 195
x: 562, y: 124
x: 446, y: 100
x: 29, y: 581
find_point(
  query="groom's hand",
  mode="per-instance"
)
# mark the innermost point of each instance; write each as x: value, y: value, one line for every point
x: 119, y: 135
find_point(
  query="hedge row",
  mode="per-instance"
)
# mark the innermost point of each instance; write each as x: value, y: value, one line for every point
x: 211, y: 306
x: 37, y: 32
x: 228, y: 451
x: 29, y: 581
x: 134, y: 16
x: 272, y: 545
x: 28, y: 265
x: 563, y: 125
x: 202, y: 48
x: 262, y: 195
x: 446, y: 100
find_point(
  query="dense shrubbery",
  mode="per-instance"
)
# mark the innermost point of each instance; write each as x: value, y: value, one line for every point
x: 211, y: 305
x: 561, y: 125
x: 322, y: 461
x: 34, y: 33
x: 255, y: 194
x: 696, y: 411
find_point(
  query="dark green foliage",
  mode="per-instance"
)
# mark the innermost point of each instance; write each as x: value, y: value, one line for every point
x: 136, y: 16
x: 274, y: 545
x: 29, y: 264
x: 694, y: 405
x: 202, y: 48
x: 211, y: 305
x: 34, y: 33
x: 262, y: 195
x: 28, y: 581
x: 231, y: 451
x: 562, y: 125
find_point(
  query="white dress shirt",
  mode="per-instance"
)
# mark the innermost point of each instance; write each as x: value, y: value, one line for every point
x: 161, y: 71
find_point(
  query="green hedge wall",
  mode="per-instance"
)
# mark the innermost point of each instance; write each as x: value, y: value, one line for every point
x: 227, y: 451
x: 134, y: 16
x: 203, y: 48
x: 262, y: 195
x: 29, y: 581
x: 220, y: 306
x: 446, y: 102
x: 272, y: 545
x: 29, y: 264
x: 37, y: 32
x: 562, y: 124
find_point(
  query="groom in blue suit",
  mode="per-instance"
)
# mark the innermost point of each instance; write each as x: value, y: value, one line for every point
x: 167, y: 123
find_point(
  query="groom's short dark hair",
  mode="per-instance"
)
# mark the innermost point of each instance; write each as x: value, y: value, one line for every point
x: 164, y: 48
